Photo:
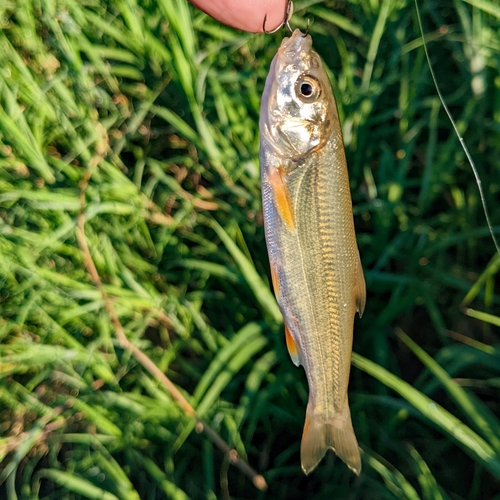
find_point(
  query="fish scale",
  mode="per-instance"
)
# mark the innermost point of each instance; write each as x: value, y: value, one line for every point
x: 326, y: 279
x: 311, y: 241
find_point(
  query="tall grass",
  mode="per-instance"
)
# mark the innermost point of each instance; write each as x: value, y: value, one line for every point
x: 139, y: 119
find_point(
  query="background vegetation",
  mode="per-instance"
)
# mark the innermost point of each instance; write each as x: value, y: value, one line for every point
x: 131, y: 128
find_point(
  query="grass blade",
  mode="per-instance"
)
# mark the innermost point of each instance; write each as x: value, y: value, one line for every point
x: 469, y: 441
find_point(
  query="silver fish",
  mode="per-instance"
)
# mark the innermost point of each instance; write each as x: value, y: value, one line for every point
x: 315, y: 265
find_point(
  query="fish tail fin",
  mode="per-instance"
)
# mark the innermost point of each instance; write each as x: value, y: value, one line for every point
x: 337, y: 434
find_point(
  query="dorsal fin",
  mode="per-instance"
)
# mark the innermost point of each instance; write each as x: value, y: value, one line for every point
x: 359, y: 288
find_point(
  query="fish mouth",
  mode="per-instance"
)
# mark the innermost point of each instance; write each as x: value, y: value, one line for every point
x: 293, y: 58
x: 289, y: 55
x: 295, y: 44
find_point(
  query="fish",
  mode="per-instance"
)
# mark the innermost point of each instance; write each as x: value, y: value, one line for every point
x: 315, y: 264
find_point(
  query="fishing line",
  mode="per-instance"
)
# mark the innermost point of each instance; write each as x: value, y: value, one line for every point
x: 460, y: 138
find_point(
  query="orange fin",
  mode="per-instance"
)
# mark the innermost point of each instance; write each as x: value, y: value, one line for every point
x: 292, y: 347
x: 275, y: 280
x: 360, y: 289
x: 282, y: 197
x: 337, y: 434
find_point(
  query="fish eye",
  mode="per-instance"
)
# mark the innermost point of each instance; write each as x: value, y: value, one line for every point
x: 307, y: 88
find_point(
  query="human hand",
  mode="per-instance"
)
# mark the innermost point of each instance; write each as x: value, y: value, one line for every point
x: 246, y: 15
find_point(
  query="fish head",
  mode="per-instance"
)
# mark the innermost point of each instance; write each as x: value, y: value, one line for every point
x: 298, y: 111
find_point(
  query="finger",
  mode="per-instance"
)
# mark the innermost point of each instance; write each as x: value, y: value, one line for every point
x: 246, y: 15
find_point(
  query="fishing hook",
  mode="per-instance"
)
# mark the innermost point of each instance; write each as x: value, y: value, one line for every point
x: 285, y: 22
x: 307, y: 28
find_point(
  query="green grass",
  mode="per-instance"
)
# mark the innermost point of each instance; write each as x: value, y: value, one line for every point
x: 142, y: 117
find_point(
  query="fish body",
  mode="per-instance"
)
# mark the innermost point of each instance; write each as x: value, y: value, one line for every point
x: 315, y: 264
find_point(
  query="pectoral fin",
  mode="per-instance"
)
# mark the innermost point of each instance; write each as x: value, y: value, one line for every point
x: 292, y: 347
x: 282, y: 198
x: 360, y: 289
